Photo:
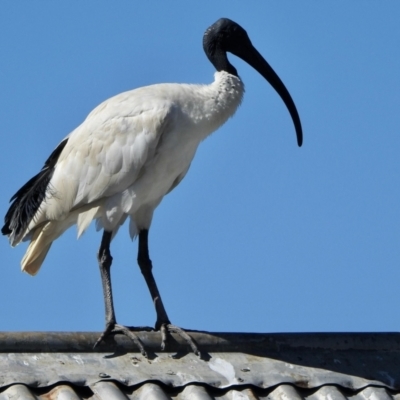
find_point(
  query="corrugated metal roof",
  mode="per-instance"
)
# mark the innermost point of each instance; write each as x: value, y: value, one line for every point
x: 233, y: 366
x: 153, y: 391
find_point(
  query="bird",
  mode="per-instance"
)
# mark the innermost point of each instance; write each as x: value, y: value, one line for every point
x: 121, y: 161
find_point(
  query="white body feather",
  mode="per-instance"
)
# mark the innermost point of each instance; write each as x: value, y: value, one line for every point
x: 125, y: 157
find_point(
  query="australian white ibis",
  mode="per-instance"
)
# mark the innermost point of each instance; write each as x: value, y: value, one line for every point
x: 125, y: 157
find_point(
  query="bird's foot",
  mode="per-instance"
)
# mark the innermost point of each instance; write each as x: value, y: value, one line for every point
x: 115, y: 329
x: 168, y: 328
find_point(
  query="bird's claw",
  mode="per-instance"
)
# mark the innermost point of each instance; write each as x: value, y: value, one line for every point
x: 115, y: 329
x: 166, y: 329
x: 107, y: 331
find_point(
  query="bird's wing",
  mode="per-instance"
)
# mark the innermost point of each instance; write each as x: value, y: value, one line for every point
x: 105, y: 154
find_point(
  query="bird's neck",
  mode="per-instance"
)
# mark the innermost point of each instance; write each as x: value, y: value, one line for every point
x: 217, y: 102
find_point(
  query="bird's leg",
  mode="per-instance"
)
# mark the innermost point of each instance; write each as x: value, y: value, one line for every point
x: 163, y: 323
x: 105, y: 260
x: 146, y: 267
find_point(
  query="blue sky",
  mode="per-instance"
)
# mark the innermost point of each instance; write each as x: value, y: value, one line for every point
x: 261, y: 236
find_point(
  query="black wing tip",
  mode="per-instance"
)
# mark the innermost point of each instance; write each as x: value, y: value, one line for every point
x: 5, y: 230
x: 26, y: 201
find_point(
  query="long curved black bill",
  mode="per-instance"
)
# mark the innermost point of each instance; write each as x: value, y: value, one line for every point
x: 257, y: 61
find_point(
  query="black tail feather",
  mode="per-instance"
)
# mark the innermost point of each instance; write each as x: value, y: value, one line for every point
x: 27, y: 200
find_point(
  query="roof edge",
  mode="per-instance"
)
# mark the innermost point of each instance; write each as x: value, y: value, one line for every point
x: 254, y: 343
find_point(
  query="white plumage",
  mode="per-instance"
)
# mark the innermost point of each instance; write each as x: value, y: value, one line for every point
x: 126, y: 156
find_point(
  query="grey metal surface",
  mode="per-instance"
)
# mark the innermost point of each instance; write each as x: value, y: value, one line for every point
x: 233, y: 366
x: 221, y: 370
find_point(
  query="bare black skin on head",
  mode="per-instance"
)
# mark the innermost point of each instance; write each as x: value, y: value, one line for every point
x: 221, y: 37
x: 227, y: 36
